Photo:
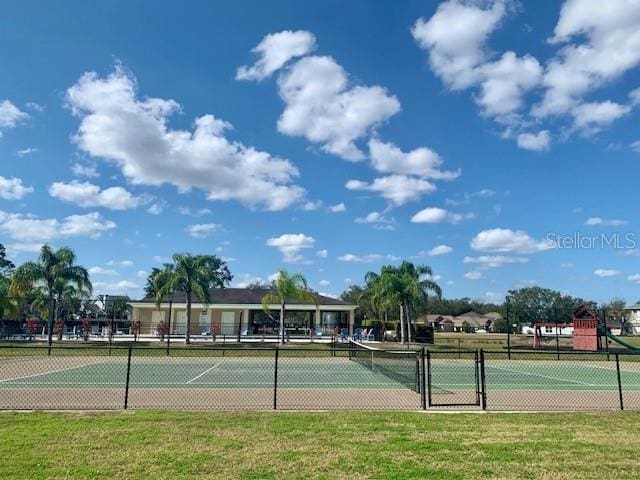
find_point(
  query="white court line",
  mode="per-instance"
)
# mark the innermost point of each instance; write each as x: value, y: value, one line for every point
x: 46, y: 373
x: 544, y: 376
x: 204, y: 373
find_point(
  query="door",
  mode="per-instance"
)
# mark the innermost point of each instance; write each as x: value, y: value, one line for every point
x: 453, y: 378
x: 228, y: 323
x: 180, y: 327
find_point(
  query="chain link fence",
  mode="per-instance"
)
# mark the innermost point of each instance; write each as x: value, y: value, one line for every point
x: 350, y: 377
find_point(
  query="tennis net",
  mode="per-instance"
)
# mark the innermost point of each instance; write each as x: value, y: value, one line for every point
x: 402, y: 367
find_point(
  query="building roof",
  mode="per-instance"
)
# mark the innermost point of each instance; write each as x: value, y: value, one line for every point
x: 633, y: 307
x: 241, y: 296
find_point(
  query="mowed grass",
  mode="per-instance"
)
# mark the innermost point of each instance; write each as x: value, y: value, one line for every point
x: 335, y: 445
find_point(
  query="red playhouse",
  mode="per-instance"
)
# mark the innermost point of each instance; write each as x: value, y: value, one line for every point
x: 584, y: 323
x: 585, y: 330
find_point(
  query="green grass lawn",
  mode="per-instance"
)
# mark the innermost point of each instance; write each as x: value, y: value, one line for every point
x: 318, y: 445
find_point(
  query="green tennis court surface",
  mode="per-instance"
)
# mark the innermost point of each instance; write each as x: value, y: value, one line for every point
x: 199, y: 373
x: 529, y: 375
x: 340, y: 373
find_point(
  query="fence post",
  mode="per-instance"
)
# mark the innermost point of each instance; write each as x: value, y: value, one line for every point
x: 557, y: 338
x: 508, y: 331
x: 606, y: 331
x: 126, y: 385
x: 169, y: 327
x: 275, y: 381
x: 477, y: 371
x: 423, y: 390
x: 619, y: 381
x: 483, y: 381
x: 429, y: 398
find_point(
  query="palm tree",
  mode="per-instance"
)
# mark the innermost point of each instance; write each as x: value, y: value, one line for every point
x: 52, y: 269
x: 191, y: 274
x: 286, y: 288
x: 416, y: 282
x: 403, y: 286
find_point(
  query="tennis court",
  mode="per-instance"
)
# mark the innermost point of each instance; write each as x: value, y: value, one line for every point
x: 354, y: 378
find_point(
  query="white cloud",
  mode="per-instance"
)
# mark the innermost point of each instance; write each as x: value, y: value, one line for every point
x: 485, y: 192
x: 592, y: 117
x: 376, y: 218
x: 34, y: 106
x: 504, y: 240
x: 123, y: 287
x: 454, y: 37
x: 121, y: 263
x: 155, y: 209
x: 605, y: 222
x: 102, y: 271
x: 439, y: 215
x: 422, y: 162
x: 535, y: 141
x: 505, y: 83
x: 10, y: 115
x: 494, y: 261
x: 194, y: 213
x: 23, y: 152
x: 142, y: 274
x: 274, y: 51
x: 439, y: 250
x: 474, y: 275
x: 634, y: 278
x: 606, y: 272
x: 322, y: 253
x: 599, y: 42
x: 88, y: 195
x: 372, y: 257
x: 134, y: 134
x: 635, y: 146
x: 311, y: 206
x: 397, y: 189
x: 243, y: 280
x: 13, y: 188
x: 202, y: 230
x: 290, y: 245
x: 338, y: 208
x: 83, y: 170
x: 29, y: 228
x: 323, y: 107
x: 324, y: 283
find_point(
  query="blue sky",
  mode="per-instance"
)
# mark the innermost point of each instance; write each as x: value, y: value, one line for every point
x: 329, y: 139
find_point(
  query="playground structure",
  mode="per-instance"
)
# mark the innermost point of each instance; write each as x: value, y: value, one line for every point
x: 587, y: 330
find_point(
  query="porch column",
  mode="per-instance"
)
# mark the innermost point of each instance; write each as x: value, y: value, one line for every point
x: 245, y: 320
x: 352, y: 321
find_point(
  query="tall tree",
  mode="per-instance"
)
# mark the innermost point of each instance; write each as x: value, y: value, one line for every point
x: 285, y: 288
x: 6, y: 265
x: 6, y: 268
x: 416, y: 281
x: 403, y: 287
x: 52, y: 269
x: 536, y: 304
x: 192, y: 275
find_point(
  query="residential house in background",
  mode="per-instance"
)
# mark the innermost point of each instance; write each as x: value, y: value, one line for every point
x: 471, y: 321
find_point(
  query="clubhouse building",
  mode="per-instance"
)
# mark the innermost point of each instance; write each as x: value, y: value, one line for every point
x: 238, y: 312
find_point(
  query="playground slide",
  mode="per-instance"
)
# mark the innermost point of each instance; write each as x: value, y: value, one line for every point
x: 623, y: 343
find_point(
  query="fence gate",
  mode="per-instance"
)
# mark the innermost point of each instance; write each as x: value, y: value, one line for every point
x: 453, y: 379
